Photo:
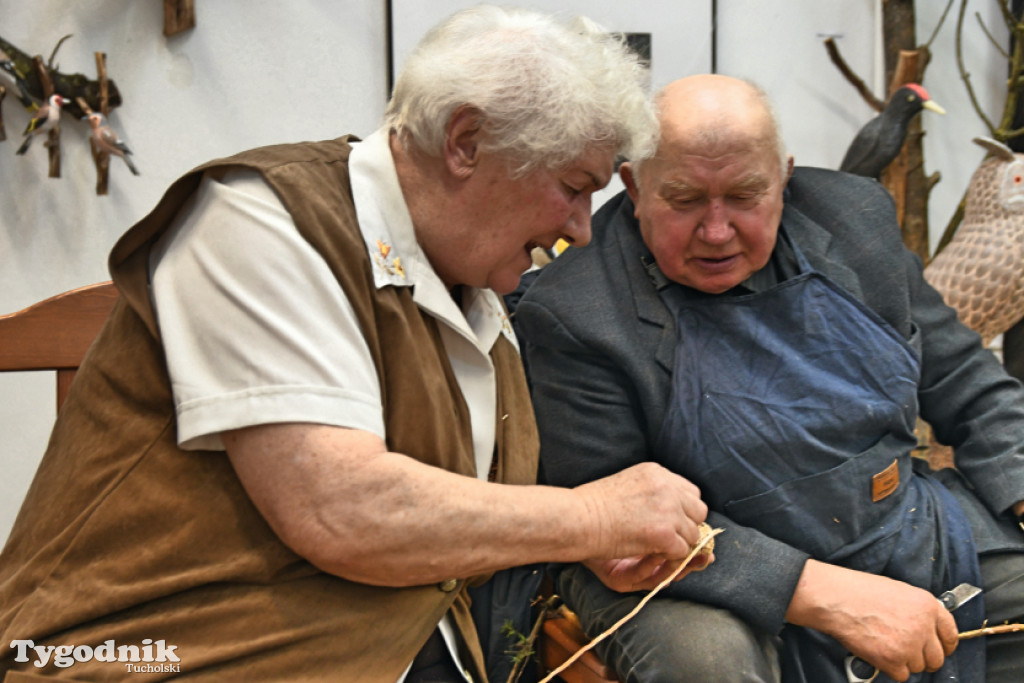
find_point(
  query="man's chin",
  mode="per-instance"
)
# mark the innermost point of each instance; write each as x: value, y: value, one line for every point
x: 716, y: 289
x: 717, y: 283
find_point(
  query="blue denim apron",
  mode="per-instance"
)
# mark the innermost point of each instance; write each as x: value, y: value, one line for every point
x: 793, y: 409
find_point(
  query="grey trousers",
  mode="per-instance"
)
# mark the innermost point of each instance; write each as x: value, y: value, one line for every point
x: 669, y: 641
x: 1002, y: 577
x: 674, y: 641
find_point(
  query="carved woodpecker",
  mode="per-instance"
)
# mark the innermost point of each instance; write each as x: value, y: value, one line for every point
x: 106, y: 140
x: 44, y: 120
x: 980, y: 272
x: 880, y: 140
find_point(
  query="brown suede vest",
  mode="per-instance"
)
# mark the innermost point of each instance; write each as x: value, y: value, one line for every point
x: 123, y: 536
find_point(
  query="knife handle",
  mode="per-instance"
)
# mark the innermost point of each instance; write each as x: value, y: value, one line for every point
x: 948, y: 600
x: 859, y: 671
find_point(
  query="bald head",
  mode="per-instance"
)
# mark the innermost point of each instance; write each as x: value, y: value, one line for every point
x: 710, y: 200
x: 711, y: 113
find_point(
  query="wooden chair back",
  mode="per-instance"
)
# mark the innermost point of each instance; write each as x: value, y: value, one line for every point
x: 55, y: 333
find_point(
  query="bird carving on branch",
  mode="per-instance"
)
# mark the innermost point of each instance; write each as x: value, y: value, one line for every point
x: 980, y: 273
x: 13, y: 78
x: 879, y: 141
x: 70, y: 86
x: 43, y: 121
x: 107, y: 140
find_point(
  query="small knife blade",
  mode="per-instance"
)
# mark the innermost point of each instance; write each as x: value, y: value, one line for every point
x: 859, y: 671
x: 952, y: 599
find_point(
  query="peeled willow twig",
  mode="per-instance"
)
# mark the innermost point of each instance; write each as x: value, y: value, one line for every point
x: 615, y: 627
x: 991, y: 631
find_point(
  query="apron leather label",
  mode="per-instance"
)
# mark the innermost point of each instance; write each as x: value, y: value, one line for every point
x: 885, y: 482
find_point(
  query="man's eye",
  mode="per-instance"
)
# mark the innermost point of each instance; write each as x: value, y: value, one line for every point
x: 684, y: 202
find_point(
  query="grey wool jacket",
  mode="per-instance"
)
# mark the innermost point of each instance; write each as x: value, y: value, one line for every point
x: 599, y: 346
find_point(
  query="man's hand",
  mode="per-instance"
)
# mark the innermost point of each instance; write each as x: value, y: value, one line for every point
x: 896, y: 627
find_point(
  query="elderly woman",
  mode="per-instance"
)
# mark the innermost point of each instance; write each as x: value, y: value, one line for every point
x: 305, y: 429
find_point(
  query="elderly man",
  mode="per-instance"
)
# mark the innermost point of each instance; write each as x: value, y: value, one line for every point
x: 305, y: 430
x: 762, y: 331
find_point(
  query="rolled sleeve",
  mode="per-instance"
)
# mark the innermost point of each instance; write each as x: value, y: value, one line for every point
x: 255, y: 328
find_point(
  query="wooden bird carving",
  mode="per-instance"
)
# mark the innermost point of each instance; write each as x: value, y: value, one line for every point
x: 879, y: 141
x: 12, y: 78
x: 980, y: 273
x: 43, y: 121
x: 106, y: 140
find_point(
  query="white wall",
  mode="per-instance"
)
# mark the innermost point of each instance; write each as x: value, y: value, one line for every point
x: 783, y: 51
x: 265, y: 71
x: 250, y: 73
x: 780, y: 45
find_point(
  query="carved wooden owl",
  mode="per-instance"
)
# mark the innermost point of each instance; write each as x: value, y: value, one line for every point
x: 980, y: 273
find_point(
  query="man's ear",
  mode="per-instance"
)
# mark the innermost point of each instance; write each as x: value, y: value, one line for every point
x: 630, y: 181
x: 462, y: 141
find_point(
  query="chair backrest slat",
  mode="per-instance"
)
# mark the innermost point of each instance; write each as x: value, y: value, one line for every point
x: 55, y: 333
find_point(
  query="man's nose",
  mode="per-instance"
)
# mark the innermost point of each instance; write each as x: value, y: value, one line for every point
x: 714, y: 227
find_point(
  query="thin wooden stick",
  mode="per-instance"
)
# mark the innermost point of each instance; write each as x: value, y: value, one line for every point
x: 3, y: 131
x: 101, y: 158
x: 614, y: 627
x: 854, y: 80
x: 991, y: 631
x: 526, y: 649
x: 53, y: 137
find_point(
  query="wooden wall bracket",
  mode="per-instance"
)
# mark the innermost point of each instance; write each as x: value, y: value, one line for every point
x: 179, y: 15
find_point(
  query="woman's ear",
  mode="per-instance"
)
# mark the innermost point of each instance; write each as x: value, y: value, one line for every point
x: 462, y: 141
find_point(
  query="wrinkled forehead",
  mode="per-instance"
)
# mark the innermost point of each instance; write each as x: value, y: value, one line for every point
x: 715, y: 152
x: 720, y: 135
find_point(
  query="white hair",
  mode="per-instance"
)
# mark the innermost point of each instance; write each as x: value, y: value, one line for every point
x: 546, y: 92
